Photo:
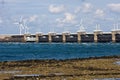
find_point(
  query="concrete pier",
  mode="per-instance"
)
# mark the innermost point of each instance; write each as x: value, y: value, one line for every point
x: 25, y: 36
x: 50, y: 37
x: 96, y: 35
x: 79, y: 36
x: 113, y: 36
x: 64, y: 36
x: 37, y: 37
x: 50, y: 34
x: 114, y: 32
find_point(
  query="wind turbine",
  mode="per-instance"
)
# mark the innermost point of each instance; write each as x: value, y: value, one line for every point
x: 26, y: 28
x: 20, y: 24
x: 81, y: 28
x: 97, y: 28
x: 52, y: 30
x: 116, y: 27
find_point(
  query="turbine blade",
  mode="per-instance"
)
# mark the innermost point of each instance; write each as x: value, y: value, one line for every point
x: 21, y: 18
x: 81, y: 21
x: 22, y: 27
x: 16, y: 23
x: 77, y: 25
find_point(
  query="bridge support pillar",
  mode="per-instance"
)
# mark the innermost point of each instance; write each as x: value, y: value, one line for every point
x: 64, y: 37
x: 25, y: 36
x: 50, y: 37
x: 96, y: 35
x: 37, y: 37
x: 113, y: 36
x: 79, y: 36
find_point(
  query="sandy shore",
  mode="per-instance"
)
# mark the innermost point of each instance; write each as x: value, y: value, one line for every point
x: 72, y: 69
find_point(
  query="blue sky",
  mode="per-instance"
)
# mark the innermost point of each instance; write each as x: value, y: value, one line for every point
x: 58, y: 15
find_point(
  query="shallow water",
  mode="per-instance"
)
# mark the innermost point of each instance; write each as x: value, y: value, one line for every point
x: 118, y: 62
x: 11, y: 72
x: 25, y: 51
x: 108, y: 79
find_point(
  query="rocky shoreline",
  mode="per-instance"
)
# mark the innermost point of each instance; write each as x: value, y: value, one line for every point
x: 69, y: 69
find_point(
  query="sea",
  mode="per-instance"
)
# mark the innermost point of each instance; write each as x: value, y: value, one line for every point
x: 58, y: 51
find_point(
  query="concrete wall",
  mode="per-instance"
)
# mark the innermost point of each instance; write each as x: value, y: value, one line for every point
x: 43, y: 38
x: 57, y: 38
x: 104, y: 37
x: 87, y: 38
x: 71, y: 38
x: 117, y: 37
x: 13, y: 38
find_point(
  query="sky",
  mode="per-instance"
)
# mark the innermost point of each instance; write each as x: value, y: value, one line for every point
x: 58, y: 15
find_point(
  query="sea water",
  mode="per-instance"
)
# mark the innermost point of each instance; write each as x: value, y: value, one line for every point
x: 28, y: 51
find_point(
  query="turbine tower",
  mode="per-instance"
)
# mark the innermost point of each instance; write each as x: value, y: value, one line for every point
x: 116, y: 27
x: 26, y: 28
x: 20, y: 24
x: 52, y: 30
x: 97, y: 28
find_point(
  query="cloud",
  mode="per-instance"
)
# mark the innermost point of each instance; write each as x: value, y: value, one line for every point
x: 114, y: 7
x: 33, y: 18
x: 12, y: 1
x: 87, y: 7
x: 99, y: 13
x: 67, y: 19
x: 77, y: 9
x: 1, y: 21
x: 15, y: 1
x: 59, y: 20
x: 56, y: 9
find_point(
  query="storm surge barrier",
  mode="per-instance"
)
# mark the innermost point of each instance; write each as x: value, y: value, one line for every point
x: 96, y: 36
